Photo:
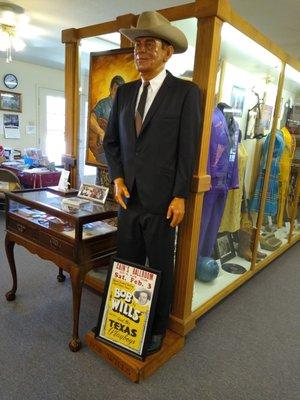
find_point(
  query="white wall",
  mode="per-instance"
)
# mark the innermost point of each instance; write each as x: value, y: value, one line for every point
x: 31, y: 77
x: 235, y: 76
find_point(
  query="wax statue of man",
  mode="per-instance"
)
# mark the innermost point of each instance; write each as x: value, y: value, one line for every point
x: 151, y: 154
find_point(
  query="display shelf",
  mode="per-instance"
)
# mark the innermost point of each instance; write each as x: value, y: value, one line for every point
x: 204, y: 291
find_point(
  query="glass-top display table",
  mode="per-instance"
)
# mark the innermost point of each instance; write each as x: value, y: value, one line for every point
x: 76, y: 238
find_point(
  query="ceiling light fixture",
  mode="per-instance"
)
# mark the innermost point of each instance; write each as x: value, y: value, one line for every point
x: 11, y: 18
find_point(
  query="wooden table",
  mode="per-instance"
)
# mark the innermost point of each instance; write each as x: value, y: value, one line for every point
x: 75, y: 240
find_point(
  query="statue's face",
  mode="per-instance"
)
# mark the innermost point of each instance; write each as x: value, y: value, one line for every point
x: 150, y: 55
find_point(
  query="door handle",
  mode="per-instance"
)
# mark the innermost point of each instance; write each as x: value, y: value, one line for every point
x: 21, y: 228
x: 55, y: 244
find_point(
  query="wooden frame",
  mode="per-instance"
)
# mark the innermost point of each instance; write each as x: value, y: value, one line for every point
x: 211, y: 15
x: 10, y: 101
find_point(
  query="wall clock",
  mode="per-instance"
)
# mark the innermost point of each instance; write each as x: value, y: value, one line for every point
x: 10, y: 81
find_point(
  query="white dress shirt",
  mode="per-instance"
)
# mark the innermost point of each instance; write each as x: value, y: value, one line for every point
x: 154, y: 85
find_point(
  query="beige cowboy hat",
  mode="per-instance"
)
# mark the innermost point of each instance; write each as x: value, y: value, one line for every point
x: 153, y: 24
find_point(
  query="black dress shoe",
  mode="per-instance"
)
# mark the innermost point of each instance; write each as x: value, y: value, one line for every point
x: 155, y: 344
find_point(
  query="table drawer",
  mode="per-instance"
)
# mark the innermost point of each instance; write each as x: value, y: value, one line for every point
x: 21, y: 228
x: 56, y: 245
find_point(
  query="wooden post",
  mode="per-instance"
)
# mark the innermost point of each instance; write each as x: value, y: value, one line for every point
x: 126, y: 21
x: 69, y: 37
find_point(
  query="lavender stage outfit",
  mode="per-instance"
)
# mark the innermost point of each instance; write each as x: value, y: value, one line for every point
x: 223, y: 169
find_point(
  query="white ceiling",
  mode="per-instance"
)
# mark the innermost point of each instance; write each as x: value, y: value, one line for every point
x: 277, y: 19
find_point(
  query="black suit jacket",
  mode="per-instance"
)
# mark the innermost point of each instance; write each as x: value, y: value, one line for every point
x: 161, y: 159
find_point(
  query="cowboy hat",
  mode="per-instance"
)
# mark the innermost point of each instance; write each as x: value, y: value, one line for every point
x: 153, y: 24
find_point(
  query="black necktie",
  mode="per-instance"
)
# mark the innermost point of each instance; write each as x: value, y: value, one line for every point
x: 141, y: 108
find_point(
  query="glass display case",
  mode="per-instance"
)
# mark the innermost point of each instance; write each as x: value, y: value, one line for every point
x: 289, y: 125
x: 76, y: 234
x: 240, y: 134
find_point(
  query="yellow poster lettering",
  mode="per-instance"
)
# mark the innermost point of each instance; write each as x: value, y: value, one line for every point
x: 125, y: 309
x: 124, y: 295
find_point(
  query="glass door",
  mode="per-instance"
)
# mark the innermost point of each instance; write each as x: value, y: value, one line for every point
x: 52, y: 124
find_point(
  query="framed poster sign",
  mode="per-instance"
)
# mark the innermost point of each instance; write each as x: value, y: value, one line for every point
x: 128, y: 306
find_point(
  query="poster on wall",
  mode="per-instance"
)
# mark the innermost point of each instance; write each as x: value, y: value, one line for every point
x: 108, y: 71
x: 237, y: 100
x: 11, y: 126
x: 128, y: 306
x: 266, y: 116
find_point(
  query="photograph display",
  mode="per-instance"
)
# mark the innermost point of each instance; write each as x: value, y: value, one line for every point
x: 93, y: 192
x: 224, y: 248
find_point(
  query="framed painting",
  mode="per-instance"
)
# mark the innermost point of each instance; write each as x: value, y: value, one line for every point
x: 128, y: 306
x: 10, y: 101
x: 108, y: 71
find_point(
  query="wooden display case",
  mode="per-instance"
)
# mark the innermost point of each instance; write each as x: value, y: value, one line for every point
x: 211, y: 15
x: 76, y: 239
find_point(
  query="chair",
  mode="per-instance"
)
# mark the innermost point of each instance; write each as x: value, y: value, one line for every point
x: 8, y: 181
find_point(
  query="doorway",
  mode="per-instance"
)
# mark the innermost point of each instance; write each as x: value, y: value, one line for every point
x: 52, y: 124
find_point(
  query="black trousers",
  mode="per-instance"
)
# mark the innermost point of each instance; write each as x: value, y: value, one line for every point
x: 144, y: 235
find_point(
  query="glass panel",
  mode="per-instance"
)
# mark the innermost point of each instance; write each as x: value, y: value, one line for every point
x: 42, y: 219
x: 65, y: 223
x: 97, y: 228
x: 55, y: 120
x: 242, y: 120
x: 182, y: 65
x: 289, y: 126
x: 87, y: 174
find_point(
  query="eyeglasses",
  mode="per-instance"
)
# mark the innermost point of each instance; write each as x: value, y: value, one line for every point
x: 147, y: 44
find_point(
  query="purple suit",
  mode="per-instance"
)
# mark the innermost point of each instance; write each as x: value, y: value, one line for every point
x: 223, y: 168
